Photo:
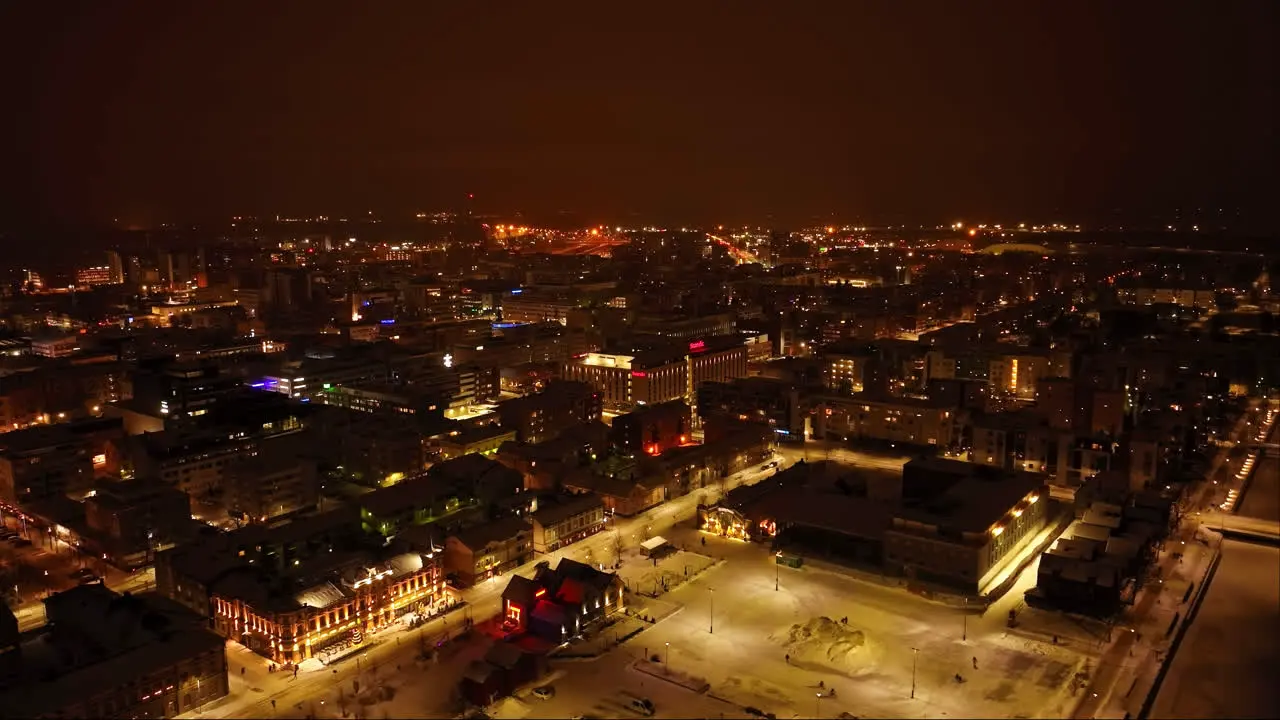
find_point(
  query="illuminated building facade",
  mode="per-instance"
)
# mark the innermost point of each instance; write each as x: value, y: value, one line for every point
x: 557, y: 524
x: 519, y: 308
x: 957, y: 524
x: 966, y: 524
x: 908, y: 420
x: 91, y: 276
x: 330, y: 615
x: 559, y: 604
x: 665, y: 372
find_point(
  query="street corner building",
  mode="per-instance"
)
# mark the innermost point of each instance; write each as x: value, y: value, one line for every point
x: 108, y: 655
x: 327, y: 612
x: 557, y: 604
x: 307, y: 589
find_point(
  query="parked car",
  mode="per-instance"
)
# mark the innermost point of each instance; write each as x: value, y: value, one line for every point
x: 546, y: 692
x: 644, y: 706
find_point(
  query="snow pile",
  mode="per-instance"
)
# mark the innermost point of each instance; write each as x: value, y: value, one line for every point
x: 825, y: 641
x: 311, y: 664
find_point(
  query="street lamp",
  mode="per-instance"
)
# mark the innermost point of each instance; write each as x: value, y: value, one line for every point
x: 777, y: 572
x: 817, y: 706
x: 666, y: 660
x: 711, y: 627
x: 915, y: 653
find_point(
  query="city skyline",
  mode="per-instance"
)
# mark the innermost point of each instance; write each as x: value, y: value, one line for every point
x: 753, y: 115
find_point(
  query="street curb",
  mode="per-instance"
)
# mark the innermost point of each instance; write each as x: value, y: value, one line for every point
x: 641, y: 666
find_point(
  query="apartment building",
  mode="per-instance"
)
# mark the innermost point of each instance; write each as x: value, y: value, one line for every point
x: 653, y: 429
x: 543, y: 416
x: 769, y: 401
x: 486, y: 551
x: 49, y: 460
x: 911, y: 420
x: 562, y: 522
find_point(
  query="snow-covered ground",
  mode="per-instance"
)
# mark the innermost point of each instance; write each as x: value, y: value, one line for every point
x: 736, y: 630
x: 602, y: 689
x: 1225, y: 666
x: 644, y: 575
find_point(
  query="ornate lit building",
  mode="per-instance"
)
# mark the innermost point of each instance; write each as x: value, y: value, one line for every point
x: 332, y: 615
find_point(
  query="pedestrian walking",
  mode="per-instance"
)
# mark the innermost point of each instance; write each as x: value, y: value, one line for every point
x: 975, y: 662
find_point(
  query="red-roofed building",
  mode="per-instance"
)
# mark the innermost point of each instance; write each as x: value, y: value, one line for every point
x: 558, y: 604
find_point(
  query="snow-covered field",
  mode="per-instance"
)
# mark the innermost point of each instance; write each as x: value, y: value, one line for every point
x: 1225, y: 666
x: 737, y: 631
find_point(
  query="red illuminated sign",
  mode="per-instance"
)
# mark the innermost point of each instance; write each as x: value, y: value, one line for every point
x: 697, y: 345
x: 540, y: 593
x: 639, y: 373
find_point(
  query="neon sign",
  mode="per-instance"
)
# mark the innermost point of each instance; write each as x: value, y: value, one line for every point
x: 639, y: 373
x: 697, y: 345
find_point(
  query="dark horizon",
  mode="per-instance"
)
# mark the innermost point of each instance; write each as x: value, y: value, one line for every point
x: 742, y: 114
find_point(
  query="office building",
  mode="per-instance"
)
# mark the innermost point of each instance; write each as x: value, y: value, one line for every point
x: 655, y: 372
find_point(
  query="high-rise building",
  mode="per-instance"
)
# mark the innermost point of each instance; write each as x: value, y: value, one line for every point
x: 115, y: 264
x: 92, y: 276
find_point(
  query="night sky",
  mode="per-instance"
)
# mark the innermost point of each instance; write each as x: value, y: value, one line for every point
x: 760, y: 112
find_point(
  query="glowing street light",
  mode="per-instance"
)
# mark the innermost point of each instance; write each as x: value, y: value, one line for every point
x: 915, y: 653
x: 711, y: 627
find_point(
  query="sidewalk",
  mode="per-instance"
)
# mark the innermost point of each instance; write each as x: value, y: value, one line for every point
x: 1130, y: 665
x: 660, y: 670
